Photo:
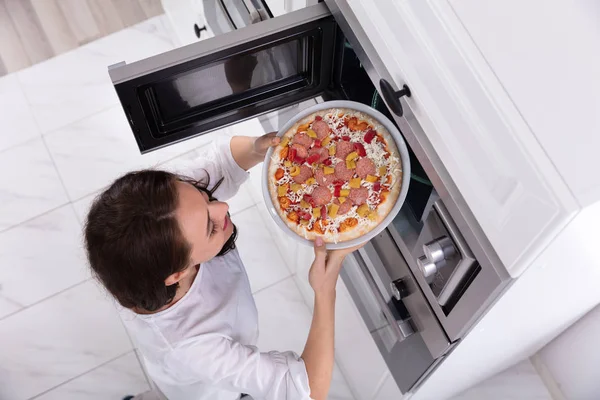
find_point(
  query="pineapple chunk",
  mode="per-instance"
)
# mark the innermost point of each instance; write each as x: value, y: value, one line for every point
x: 328, y: 170
x: 311, y: 133
x: 332, y: 150
x: 355, y: 183
x: 311, y: 181
x: 363, y: 210
x: 295, y: 171
x: 287, y: 163
x: 372, y: 216
x: 304, y: 204
x: 316, y: 212
x: 284, y: 142
x: 326, y: 141
x: 341, y: 199
x: 333, y: 209
x: 296, y: 187
x: 350, y: 164
x: 352, y: 156
x: 304, y: 221
x: 282, y: 190
x: 382, y: 171
x: 344, y: 193
x: 371, y: 178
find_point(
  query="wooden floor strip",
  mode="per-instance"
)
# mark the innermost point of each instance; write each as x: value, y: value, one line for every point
x: 12, y: 53
x: 55, y: 25
x: 81, y: 20
x: 130, y: 10
x: 32, y: 31
x: 107, y: 16
x: 34, y: 39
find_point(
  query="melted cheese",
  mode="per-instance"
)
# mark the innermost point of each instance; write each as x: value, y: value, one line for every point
x: 375, y: 151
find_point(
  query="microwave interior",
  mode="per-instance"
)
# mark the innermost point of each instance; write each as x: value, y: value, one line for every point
x: 227, y: 84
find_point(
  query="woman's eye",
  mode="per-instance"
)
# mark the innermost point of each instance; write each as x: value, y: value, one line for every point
x: 214, y: 229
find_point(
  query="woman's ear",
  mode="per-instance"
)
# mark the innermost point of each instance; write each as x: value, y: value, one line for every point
x: 176, y: 277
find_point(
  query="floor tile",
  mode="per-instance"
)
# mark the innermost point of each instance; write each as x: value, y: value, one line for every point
x: 16, y: 119
x: 261, y: 257
x: 82, y: 206
x: 29, y: 184
x: 41, y: 257
x: 389, y: 389
x: 518, y: 382
x: 8, y: 306
x: 57, y: 340
x: 113, y: 380
x: 241, y: 201
x: 76, y: 84
x: 92, y: 152
x: 284, y: 322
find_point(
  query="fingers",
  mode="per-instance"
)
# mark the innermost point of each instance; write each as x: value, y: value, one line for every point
x: 342, y: 253
x: 271, y: 139
x: 320, y: 251
x: 262, y: 143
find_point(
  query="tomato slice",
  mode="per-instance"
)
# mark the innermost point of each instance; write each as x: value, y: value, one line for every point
x: 346, y: 138
x: 291, y: 154
x: 328, y: 162
x: 370, y: 135
x: 318, y: 118
x: 323, y: 212
x: 317, y: 143
x: 360, y: 149
x: 336, y: 190
x: 299, y: 160
x: 313, y: 158
x: 377, y: 186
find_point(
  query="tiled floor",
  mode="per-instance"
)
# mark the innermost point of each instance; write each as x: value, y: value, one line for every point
x: 63, y: 139
x: 519, y: 382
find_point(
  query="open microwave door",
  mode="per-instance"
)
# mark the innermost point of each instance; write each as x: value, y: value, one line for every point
x: 207, y: 85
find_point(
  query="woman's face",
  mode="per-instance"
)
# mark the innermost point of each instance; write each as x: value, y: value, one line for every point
x: 205, y: 224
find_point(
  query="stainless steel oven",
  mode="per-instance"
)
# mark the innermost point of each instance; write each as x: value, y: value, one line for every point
x: 423, y: 282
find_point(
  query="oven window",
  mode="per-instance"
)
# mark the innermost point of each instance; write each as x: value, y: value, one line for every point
x: 223, y: 80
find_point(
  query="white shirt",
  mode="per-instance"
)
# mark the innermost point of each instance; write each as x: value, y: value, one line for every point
x: 202, y: 347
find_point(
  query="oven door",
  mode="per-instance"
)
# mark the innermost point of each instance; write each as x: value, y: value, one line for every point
x: 397, y: 314
x: 223, y: 80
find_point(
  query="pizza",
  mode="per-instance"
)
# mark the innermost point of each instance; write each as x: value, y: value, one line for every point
x: 336, y: 174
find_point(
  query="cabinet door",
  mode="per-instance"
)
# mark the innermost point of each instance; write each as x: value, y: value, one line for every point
x: 228, y: 78
x: 469, y: 123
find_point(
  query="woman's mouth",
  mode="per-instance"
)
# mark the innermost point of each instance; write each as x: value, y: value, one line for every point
x: 226, y: 222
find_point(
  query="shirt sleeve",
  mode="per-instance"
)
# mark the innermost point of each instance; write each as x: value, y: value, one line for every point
x: 213, y: 164
x: 225, y: 363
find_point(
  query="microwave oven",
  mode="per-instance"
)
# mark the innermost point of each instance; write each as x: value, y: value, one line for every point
x: 422, y: 283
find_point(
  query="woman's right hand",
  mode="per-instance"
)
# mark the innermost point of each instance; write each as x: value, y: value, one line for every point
x: 326, y: 267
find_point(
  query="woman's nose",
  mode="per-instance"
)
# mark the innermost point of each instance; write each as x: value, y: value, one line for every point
x: 219, y: 209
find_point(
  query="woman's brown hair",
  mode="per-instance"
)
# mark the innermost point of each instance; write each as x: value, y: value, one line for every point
x: 133, y: 240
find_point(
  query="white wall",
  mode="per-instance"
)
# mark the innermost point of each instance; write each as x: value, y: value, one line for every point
x: 572, y: 360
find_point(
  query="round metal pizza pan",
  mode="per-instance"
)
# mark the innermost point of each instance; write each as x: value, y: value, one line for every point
x: 403, y: 152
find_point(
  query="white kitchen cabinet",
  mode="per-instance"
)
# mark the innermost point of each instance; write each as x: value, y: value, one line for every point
x: 472, y: 125
x: 558, y: 289
x: 508, y: 97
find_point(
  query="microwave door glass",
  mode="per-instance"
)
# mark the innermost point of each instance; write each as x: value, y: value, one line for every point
x: 222, y: 81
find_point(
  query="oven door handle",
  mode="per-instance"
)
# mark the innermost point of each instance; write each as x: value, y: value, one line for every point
x: 256, y: 11
x: 401, y: 328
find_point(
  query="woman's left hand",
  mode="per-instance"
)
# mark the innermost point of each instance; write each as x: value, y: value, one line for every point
x: 247, y: 151
x: 264, y: 142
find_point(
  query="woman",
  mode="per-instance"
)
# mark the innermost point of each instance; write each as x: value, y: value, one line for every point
x: 164, y: 247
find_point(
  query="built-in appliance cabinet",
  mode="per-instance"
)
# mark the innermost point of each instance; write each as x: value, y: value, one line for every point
x: 473, y: 69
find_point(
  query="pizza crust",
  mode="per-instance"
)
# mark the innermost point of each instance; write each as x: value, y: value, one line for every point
x: 363, y: 226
